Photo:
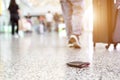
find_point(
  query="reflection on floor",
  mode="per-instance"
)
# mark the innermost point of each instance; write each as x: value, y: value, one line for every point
x: 44, y: 57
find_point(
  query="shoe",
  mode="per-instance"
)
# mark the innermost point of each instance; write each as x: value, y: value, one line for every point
x: 16, y: 36
x: 115, y: 46
x: 71, y: 41
x: 74, y: 42
x: 21, y: 34
x: 107, y: 46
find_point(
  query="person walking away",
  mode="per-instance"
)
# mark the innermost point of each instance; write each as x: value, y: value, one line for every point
x: 41, y: 24
x: 49, y: 19
x: 14, y: 16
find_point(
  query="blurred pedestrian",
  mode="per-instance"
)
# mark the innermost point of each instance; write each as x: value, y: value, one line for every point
x: 56, y: 19
x: 49, y: 19
x: 14, y: 16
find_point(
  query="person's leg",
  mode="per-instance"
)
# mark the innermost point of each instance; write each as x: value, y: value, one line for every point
x: 67, y: 14
x: 48, y: 26
x: 17, y: 29
x: 12, y: 28
x: 115, y: 45
x: 77, y: 17
x: 77, y: 21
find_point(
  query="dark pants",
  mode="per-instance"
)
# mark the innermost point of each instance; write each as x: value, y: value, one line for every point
x: 14, y: 22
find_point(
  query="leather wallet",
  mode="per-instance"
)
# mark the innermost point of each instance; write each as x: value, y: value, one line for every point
x: 78, y: 64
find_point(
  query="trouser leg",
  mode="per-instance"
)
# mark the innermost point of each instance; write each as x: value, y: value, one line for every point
x: 77, y: 16
x: 67, y: 14
x: 17, y: 29
x: 12, y: 28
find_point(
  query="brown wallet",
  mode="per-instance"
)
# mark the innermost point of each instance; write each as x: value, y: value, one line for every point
x: 78, y: 64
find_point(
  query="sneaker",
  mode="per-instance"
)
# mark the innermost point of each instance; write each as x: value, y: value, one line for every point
x: 16, y: 36
x: 74, y: 42
x: 21, y: 34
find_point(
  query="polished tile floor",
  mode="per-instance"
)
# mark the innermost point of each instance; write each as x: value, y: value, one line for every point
x: 44, y: 57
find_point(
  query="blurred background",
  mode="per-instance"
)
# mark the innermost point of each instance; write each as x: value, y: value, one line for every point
x: 37, y: 8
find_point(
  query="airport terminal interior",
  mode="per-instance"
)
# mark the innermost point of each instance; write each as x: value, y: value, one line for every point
x: 39, y: 54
